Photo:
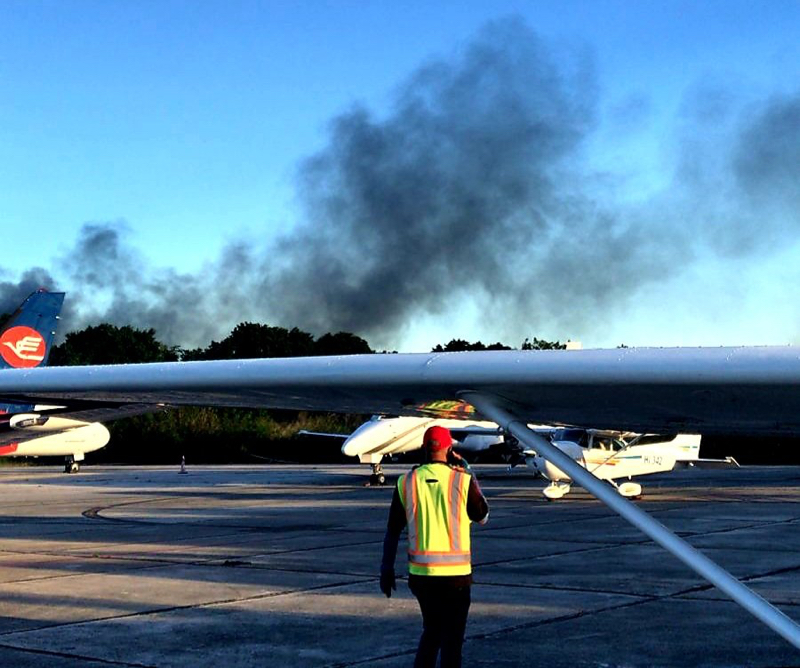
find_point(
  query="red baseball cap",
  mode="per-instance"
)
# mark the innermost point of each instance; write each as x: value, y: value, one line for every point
x: 437, y: 438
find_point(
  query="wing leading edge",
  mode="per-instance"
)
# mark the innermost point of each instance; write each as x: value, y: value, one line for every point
x: 700, y: 390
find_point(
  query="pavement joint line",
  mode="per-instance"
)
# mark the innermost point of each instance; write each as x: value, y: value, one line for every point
x: 492, y: 529
x: 80, y: 657
x: 536, y: 557
x: 748, y: 578
x: 392, y: 655
x: 745, y: 527
x: 62, y: 576
x: 577, y: 590
x: 325, y: 547
x: 154, y: 562
x: 572, y: 541
x: 711, y: 599
x: 775, y: 571
x: 363, y: 577
x: 191, y: 606
x: 556, y: 620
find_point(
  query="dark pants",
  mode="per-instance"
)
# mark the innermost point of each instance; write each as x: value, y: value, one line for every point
x: 444, y: 619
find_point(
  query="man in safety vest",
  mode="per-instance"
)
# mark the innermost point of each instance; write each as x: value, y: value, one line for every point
x: 436, y: 501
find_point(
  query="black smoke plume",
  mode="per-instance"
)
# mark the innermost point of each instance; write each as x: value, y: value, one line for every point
x: 453, y: 196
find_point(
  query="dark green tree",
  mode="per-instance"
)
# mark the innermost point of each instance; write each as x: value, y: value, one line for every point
x: 109, y: 344
x: 456, y: 345
x: 250, y: 339
x: 541, y: 344
x: 341, y: 343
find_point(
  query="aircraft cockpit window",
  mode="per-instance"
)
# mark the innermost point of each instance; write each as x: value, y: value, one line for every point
x: 578, y: 436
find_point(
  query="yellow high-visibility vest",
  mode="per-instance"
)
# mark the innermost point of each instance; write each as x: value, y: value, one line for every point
x: 434, y: 497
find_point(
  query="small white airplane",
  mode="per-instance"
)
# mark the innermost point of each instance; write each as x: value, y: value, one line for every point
x: 387, y: 436
x: 612, y: 455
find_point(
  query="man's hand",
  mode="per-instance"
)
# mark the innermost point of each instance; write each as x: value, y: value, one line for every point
x: 388, y: 582
x: 454, y: 459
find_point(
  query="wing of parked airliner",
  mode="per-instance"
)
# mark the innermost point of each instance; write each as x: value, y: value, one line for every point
x: 39, y: 421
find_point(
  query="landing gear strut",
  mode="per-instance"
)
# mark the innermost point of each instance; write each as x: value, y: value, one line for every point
x: 377, y: 478
x: 70, y: 465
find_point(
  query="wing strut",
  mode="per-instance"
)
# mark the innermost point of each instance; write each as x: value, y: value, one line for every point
x: 493, y: 408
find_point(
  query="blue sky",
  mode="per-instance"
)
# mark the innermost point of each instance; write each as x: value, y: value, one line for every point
x: 183, y: 129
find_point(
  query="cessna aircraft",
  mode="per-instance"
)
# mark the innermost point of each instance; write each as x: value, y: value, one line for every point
x: 753, y: 391
x: 34, y: 430
x: 611, y: 456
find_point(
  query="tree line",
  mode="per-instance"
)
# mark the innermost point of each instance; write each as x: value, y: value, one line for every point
x: 110, y: 344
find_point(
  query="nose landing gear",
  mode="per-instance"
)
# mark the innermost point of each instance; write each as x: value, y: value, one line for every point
x: 72, y: 463
x: 377, y: 478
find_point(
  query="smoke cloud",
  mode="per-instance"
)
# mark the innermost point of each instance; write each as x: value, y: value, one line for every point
x: 474, y: 187
x: 13, y: 292
x: 445, y: 197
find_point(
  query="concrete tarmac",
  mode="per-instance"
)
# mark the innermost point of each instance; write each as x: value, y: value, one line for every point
x: 277, y: 566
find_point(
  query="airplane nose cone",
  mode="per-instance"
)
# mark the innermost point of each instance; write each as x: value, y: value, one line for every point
x: 353, y: 446
x: 360, y: 441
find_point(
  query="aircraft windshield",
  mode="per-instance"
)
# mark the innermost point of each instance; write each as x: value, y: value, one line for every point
x: 574, y: 435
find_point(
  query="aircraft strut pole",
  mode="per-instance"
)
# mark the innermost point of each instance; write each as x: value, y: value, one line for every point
x: 488, y: 406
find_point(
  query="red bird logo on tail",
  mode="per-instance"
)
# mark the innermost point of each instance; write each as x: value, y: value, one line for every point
x: 22, y: 347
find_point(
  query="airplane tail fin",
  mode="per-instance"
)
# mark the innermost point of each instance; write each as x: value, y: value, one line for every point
x: 27, y: 336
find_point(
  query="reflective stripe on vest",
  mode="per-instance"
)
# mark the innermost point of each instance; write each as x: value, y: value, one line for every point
x: 434, y: 497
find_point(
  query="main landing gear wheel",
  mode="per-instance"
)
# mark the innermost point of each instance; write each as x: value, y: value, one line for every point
x: 556, y: 490
x: 71, y: 466
x: 630, y: 490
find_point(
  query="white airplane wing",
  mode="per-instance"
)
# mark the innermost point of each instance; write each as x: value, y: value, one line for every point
x: 696, y: 390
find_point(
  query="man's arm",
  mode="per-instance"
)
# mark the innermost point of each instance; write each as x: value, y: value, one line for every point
x: 394, y: 527
x: 477, y: 507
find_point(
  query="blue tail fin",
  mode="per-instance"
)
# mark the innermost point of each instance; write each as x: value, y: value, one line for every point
x: 27, y: 336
